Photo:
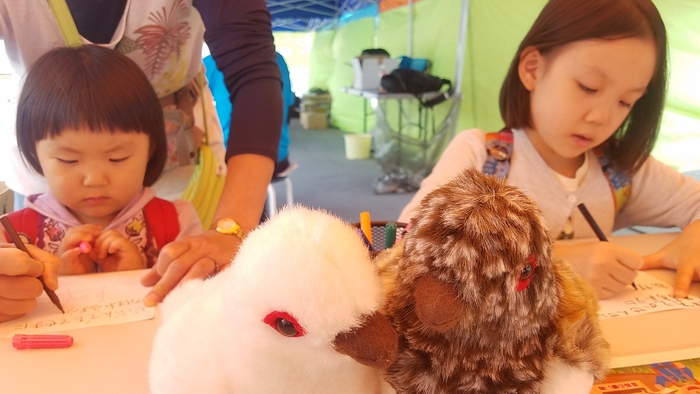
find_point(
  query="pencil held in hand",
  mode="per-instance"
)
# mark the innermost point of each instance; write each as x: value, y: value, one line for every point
x: 587, y: 215
x: 20, y: 245
x: 598, y: 232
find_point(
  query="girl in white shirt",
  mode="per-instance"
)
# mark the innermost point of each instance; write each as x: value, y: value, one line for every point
x: 589, y: 74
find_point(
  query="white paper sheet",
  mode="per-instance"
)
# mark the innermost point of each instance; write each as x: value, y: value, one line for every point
x: 652, y: 295
x: 89, y: 301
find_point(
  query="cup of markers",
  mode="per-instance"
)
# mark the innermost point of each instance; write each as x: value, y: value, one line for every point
x: 379, y: 235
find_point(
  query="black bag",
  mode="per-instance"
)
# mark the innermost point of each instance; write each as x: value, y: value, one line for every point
x: 416, y: 83
x: 375, y: 52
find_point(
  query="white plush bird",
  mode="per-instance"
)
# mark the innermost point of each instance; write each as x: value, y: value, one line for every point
x: 296, y: 312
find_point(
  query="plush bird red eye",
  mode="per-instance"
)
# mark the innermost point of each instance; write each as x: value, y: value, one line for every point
x: 527, y: 273
x: 284, y: 323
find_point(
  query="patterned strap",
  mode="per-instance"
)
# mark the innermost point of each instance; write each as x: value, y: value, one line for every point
x: 161, y: 218
x: 65, y: 21
x: 499, y: 149
x: 620, y: 183
x: 28, y: 223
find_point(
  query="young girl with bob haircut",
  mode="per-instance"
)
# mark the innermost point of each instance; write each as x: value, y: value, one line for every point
x: 583, y: 98
x: 89, y: 121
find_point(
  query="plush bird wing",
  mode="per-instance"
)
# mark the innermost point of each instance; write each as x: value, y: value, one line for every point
x: 580, y: 343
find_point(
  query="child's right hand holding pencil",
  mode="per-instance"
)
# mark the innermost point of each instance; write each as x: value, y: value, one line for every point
x: 607, y: 267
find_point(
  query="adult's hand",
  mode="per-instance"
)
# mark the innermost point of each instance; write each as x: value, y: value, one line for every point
x: 195, y: 257
x: 242, y: 199
x: 19, y: 286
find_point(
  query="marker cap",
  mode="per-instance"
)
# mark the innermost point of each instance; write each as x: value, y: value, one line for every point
x: 85, y: 247
x: 23, y: 341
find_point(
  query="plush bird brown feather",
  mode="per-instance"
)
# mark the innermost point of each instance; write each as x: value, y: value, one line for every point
x: 479, y: 301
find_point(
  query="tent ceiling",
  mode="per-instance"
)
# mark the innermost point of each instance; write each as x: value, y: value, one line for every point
x: 304, y: 15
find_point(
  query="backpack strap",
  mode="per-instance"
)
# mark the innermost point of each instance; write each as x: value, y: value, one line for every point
x: 161, y: 217
x: 620, y: 183
x: 28, y: 224
x: 65, y: 21
x: 499, y: 149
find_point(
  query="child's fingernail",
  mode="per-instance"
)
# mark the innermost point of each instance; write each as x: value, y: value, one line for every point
x: 150, y: 300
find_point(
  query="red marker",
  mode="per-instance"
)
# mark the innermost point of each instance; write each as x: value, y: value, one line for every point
x: 85, y: 247
x: 22, y: 341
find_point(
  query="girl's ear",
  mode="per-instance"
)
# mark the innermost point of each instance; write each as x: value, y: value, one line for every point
x: 531, y: 62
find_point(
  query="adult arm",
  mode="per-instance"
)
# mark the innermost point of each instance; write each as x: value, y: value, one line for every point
x: 19, y: 286
x: 239, y: 36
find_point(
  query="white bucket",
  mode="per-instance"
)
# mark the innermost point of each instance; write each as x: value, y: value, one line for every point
x: 357, y: 146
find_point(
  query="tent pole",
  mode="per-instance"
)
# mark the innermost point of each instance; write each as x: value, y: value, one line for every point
x: 409, y: 47
x: 461, y: 46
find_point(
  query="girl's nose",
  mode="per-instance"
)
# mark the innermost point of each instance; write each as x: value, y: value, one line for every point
x: 95, y: 177
x: 599, y: 115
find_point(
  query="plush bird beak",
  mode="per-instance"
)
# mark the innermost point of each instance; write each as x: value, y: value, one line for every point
x: 373, y: 343
x: 437, y: 305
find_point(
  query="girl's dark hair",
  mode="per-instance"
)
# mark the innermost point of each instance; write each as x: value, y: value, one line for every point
x: 565, y: 21
x: 89, y: 87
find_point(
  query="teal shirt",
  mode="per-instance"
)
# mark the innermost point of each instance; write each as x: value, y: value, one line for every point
x: 223, y: 101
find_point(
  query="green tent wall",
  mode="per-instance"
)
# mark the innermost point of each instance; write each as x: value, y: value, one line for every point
x: 494, y: 32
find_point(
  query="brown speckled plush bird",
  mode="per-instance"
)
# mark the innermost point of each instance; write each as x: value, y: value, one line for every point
x: 480, y: 303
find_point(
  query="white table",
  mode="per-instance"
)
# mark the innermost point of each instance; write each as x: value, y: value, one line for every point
x: 654, y: 337
x: 407, y: 148
x: 103, y: 360
x: 399, y: 97
x: 114, y: 359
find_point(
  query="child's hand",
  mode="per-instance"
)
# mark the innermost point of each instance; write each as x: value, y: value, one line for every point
x: 606, y: 266
x: 681, y: 254
x: 114, y: 252
x: 74, y: 261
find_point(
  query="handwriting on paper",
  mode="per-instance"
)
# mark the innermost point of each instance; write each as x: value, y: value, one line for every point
x: 89, y: 301
x: 652, y: 295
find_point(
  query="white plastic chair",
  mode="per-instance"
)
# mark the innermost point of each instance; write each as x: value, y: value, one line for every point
x: 272, y: 195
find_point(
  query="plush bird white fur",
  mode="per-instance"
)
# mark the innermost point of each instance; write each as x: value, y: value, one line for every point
x: 306, y: 263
